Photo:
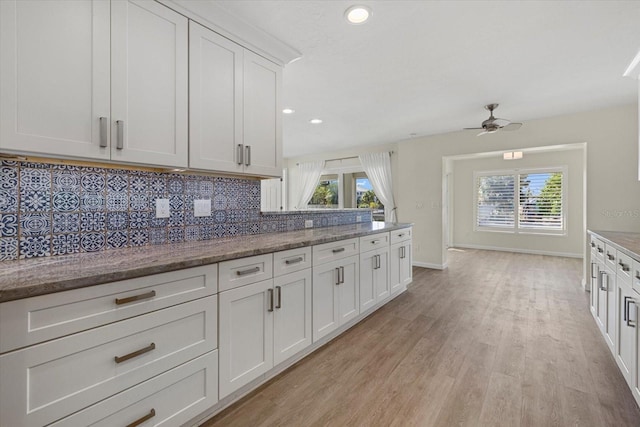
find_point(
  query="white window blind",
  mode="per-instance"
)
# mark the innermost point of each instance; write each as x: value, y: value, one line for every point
x: 525, y: 201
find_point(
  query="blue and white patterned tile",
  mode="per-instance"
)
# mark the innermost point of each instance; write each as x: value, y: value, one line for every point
x: 66, y: 222
x: 117, y: 201
x: 191, y: 219
x: 219, y: 202
x: 254, y: 189
x: 63, y: 244
x: 8, y: 201
x: 176, y: 202
x: 35, y: 200
x: 188, y: 200
x: 190, y: 186
x: 205, y: 187
x: 6, y: 162
x: 291, y: 224
x: 176, y: 219
x: 8, y: 178
x: 117, y: 239
x: 175, y: 185
x: 35, y: 165
x: 8, y: 248
x: 117, y: 221
x: 220, y: 216
x: 35, y: 246
x: 8, y: 225
x: 92, y: 242
x: 219, y: 231
x: 232, y: 230
x: 92, y: 202
x: 254, y: 215
x: 138, y: 183
x: 243, y: 202
x: 158, y: 236
x: 206, y: 232
x: 62, y: 167
x: 92, y: 182
x: 156, y: 222
x: 252, y: 228
x: 35, y: 224
x: 66, y: 180
x: 93, y: 221
x: 158, y: 184
x: 176, y: 234
x: 35, y: 179
x: 138, y: 220
x: 192, y: 233
x: 65, y: 201
x: 232, y: 202
x: 324, y: 221
x: 139, y: 201
x: 139, y: 237
x: 117, y: 183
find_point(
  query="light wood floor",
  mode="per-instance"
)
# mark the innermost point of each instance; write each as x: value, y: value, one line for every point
x: 497, y: 339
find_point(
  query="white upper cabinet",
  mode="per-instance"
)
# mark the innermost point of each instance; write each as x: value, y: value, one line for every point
x: 54, y: 77
x: 235, y: 123
x: 215, y: 100
x: 149, y: 78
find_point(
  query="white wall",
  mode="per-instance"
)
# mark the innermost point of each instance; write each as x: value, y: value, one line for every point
x: 463, y: 188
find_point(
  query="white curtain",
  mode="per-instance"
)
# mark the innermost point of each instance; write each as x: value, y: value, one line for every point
x: 308, y: 176
x: 377, y: 166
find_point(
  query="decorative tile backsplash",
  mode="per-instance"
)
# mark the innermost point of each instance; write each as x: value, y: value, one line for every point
x: 52, y: 209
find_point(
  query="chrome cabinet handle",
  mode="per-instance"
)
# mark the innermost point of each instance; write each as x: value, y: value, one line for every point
x: 592, y: 265
x: 401, y: 235
x: 375, y: 242
x: 247, y: 152
x: 337, y: 275
x: 127, y: 300
x: 600, y: 250
x: 239, y: 154
x: 628, y: 309
x: 593, y: 245
x: 279, y: 303
x: 294, y: 260
x: 341, y: 274
x: 336, y: 251
x: 624, y: 266
x: 270, y: 292
x: 136, y: 423
x: 103, y: 132
x: 403, y: 252
x: 602, y: 274
x: 120, y: 134
x: 120, y: 359
x: 249, y: 271
x: 610, y: 257
x: 374, y: 260
x: 378, y: 262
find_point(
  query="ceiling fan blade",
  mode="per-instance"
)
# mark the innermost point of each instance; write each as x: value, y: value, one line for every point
x: 472, y: 128
x: 483, y: 133
x: 502, y: 122
x: 512, y: 126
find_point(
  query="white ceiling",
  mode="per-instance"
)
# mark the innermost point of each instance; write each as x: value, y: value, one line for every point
x: 428, y: 67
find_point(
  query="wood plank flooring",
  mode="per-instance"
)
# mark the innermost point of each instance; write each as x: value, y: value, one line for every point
x: 497, y: 339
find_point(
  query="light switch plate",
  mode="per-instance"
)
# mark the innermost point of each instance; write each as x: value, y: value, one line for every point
x: 162, y: 208
x: 308, y: 223
x: 358, y: 218
x: 202, y: 207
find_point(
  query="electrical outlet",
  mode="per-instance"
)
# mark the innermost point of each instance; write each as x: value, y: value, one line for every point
x: 162, y: 208
x: 308, y: 223
x: 202, y: 207
x: 358, y: 218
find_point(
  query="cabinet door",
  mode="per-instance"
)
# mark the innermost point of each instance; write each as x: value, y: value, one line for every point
x: 262, y: 116
x: 349, y: 289
x: 215, y: 101
x: 595, y: 288
x: 368, y: 262
x: 292, y: 315
x: 611, y: 310
x: 54, y: 77
x: 406, y: 264
x: 326, y: 314
x: 626, y: 320
x: 395, y: 280
x: 246, y: 335
x: 382, y: 275
x: 149, y: 97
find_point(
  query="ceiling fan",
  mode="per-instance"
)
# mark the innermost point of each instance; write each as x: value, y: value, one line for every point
x: 494, y: 124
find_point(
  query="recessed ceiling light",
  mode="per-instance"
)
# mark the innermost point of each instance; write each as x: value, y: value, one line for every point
x: 288, y: 111
x: 357, y: 14
x: 315, y: 121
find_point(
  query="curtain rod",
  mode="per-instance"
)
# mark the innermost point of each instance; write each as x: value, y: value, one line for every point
x: 346, y: 158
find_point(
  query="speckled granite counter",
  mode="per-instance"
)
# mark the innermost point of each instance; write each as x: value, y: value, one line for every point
x: 31, y: 277
x: 628, y: 243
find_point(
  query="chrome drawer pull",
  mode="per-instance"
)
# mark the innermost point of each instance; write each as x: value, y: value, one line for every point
x: 624, y: 266
x: 127, y: 300
x: 338, y: 275
x: 120, y: 134
x: 249, y: 271
x: 294, y: 260
x: 600, y: 249
x: 341, y: 274
x: 120, y: 359
x: 239, y: 155
x: 375, y: 242
x: 610, y: 257
x: 401, y: 235
x: 103, y: 132
x: 279, y: 303
x: 336, y: 251
x: 136, y: 423
x: 247, y: 151
x: 270, y: 292
x: 593, y: 245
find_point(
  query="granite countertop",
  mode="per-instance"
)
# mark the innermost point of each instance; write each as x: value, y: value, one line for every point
x: 31, y: 277
x: 627, y: 242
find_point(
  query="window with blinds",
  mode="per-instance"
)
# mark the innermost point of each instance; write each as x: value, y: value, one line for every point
x: 521, y: 201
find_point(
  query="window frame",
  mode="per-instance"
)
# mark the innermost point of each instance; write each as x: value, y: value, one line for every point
x: 516, y: 229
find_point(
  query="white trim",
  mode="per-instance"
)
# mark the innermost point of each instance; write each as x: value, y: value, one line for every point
x: 429, y: 265
x: 517, y: 250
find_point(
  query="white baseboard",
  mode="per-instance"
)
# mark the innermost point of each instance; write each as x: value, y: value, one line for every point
x: 520, y: 251
x: 430, y: 265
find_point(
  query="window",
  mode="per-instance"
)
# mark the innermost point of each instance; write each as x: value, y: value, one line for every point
x: 326, y: 194
x: 366, y: 198
x: 521, y: 201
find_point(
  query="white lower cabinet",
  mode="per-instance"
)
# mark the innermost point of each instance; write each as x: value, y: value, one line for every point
x: 626, y: 322
x: 606, y: 312
x: 336, y: 298
x: 374, y: 277
x: 400, y: 266
x: 292, y: 314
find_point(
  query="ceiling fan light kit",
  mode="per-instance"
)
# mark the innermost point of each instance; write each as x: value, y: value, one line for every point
x: 495, y: 124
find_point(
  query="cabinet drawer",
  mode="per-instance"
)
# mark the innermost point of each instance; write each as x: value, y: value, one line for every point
x: 624, y: 268
x: 33, y: 320
x: 635, y: 276
x: 599, y: 250
x: 401, y: 235
x: 292, y: 260
x: 179, y: 395
x: 244, y: 271
x: 46, y: 382
x: 610, y: 256
x: 328, y: 252
x: 373, y: 242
